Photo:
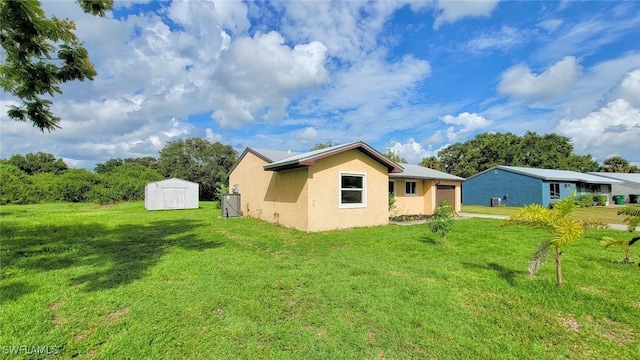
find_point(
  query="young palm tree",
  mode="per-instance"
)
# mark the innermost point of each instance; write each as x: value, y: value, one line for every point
x: 563, y: 228
x: 624, y: 244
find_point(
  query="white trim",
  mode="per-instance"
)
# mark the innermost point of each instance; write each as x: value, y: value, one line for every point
x: 415, y: 188
x: 363, y: 204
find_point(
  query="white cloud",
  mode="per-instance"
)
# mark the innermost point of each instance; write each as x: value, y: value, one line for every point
x: 467, y: 123
x: 307, y: 135
x: 628, y: 89
x: 550, y: 25
x: 411, y: 151
x: 613, y: 129
x: 504, y: 39
x: 520, y: 82
x: 451, y: 11
x: 251, y: 89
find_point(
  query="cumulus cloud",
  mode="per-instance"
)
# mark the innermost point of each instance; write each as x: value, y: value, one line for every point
x: 411, y: 151
x: 307, y: 135
x: 520, y: 82
x: 617, y: 123
x: 628, y: 89
x: 466, y: 124
x: 258, y: 74
x: 452, y: 11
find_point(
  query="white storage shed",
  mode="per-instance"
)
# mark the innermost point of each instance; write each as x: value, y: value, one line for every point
x: 171, y: 194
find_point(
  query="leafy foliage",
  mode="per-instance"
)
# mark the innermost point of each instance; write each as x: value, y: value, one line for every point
x: 38, y: 163
x: 394, y: 157
x: 491, y: 149
x: 608, y: 241
x: 323, y: 145
x: 40, y: 54
x: 442, y: 220
x: 432, y: 162
x: 617, y: 164
x: 199, y: 161
x: 558, y: 222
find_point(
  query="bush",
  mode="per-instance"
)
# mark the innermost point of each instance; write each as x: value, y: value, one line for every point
x: 584, y: 200
x: 14, y: 185
x: 600, y: 200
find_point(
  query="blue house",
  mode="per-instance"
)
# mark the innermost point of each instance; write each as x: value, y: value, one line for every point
x: 520, y: 186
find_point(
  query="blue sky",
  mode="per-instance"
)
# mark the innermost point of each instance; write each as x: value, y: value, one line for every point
x: 410, y: 77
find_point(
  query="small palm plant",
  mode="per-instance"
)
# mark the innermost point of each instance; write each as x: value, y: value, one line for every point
x: 624, y: 244
x: 633, y: 221
x: 442, y: 220
x: 558, y: 222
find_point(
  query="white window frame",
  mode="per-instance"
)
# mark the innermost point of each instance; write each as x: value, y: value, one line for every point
x: 395, y: 187
x: 363, y: 204
x: 415, y: 188
x: 551, y: 191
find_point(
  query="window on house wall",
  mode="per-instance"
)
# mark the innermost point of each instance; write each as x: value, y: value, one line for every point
x: 567, y: 186
x: 411, y: 188
x: 554, y: 191
x: 392, y: 187
x: 352, y: 190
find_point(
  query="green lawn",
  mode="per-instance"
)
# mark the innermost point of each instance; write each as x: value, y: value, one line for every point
x: 606, y: 214
x: 87, y: 281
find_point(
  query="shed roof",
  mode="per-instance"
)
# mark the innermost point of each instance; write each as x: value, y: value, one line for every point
x: 420, y: 172
x: 626, y: 177
x: 554, y: 175
x: 310, y: 157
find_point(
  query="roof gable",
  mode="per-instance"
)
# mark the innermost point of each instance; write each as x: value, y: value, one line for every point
x: 309, y: 158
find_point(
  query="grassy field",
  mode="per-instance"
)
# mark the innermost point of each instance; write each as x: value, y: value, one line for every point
x: 105, y: 282
x: 607, y: 214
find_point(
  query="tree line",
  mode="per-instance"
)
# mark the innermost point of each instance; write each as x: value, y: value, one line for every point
x: 548, y: 151
x: 40, y: 177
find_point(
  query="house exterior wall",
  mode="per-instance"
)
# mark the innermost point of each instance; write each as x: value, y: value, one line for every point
x: 424, y: 202
x: 566, y: 188
x: 513, y: 189
x: 277, y: 197
x: 625, y: 189
x: 324, y: 211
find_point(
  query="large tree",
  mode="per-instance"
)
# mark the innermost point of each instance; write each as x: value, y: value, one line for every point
x: 200, y: 161
x: 40, y: 54
x: 432, y: 162
x: 618, y: 164
x: 38, y: 163
x: 487, y: 150
x: 394, y: 157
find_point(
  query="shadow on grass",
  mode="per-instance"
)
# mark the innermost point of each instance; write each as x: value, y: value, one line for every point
x: 428, y: 240
x: 508, y: 275
x: 111, y: 256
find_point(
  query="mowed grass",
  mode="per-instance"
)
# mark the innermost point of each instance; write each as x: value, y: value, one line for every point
x: 121, y: 282
x: 606, y: 214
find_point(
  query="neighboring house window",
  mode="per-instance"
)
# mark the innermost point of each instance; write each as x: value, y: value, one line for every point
x: 554, y: 191
x: 411, y: 188
x: 392, y: 187
x: 352, y: 190
x: 567, y: 186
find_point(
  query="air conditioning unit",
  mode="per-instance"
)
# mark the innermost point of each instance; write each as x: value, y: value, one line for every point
x: 231, y: 205
x: 495, y: 201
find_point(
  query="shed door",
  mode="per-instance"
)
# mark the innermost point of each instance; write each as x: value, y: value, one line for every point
x: 174, y: 198
x: 446, y: 192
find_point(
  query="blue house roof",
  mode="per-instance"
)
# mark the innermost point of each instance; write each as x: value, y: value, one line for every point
x: 554, y: 175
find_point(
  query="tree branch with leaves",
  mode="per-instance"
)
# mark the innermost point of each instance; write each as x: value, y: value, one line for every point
x: 40, y: 53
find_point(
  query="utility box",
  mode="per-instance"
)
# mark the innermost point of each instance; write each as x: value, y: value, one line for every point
x: 495, y: 201
x: 231, y: 205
